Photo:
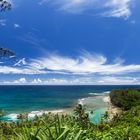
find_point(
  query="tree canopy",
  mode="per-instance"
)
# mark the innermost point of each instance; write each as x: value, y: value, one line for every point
x: 6, y: 53
x: 4, y: 5
x: 125, y: 99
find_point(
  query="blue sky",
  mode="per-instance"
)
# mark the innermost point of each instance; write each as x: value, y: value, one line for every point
x: 71, y: 42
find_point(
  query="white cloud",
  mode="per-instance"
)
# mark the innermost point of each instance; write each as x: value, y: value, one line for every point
x: 104, y: 80
x: 21, y: 62
x: 16, y: 25
x: 3, y: 22
x: 112, y: 80
x: 36, y: 81
x: 21, y: 81
x: 20, y: 70
x: 109, y: 8
x: 119, y: 8
x: 85, y: 64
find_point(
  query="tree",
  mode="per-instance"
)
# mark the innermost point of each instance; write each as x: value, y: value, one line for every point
x: 81, y: 115
x: 4, y: 5
x: 106, y: 116
x: 6, y: 53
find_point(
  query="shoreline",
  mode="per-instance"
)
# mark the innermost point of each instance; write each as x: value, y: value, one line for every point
x: 32, y: 114
x: 90, y: 102
x: 112, y: 110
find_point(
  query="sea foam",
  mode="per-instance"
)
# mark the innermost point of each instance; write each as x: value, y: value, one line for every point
x: 100, y: 94
x: 95, y: 94
x: 31, y: 115
x: 81, y: 101
x: 11, y: 117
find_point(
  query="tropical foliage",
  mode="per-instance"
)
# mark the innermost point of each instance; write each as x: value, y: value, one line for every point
x: 125, y: 99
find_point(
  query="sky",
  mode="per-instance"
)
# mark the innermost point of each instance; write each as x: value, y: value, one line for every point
x: 71, y: 42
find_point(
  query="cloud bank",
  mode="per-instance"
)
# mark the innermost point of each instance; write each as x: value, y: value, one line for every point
x: 105, y: 80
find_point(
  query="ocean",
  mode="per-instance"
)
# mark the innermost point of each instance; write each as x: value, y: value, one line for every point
x: 19, y: 99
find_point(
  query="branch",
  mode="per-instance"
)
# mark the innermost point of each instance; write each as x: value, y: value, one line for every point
x: 6, y: 53
x: 4, y: 5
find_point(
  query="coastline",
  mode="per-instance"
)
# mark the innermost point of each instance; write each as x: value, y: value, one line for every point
x: 32, y: 114
x: 94, y: 103
x: 112, y: 110
x: 98, y: 104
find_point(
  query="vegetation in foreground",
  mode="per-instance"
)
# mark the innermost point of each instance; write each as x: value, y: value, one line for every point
x: 124, y: 126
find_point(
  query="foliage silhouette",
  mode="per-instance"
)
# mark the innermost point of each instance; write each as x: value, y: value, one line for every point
x: 5, y: 5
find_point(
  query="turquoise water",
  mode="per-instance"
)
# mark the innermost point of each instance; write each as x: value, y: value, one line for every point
x: 19, y: 99
x: 96, y: 105
x: 98, y: 113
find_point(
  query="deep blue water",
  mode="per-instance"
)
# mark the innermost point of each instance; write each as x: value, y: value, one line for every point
x: 28, y: 98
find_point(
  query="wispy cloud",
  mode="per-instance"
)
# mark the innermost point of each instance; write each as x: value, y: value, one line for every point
x: 84, y: 64
x: 44, y: 1
x: 20, y: 70
x: 115, y: 80
x: 3, y: 22
x: 33, y: 40
x: 16, y: 25
x: 109, y: 8
x: 20, y: 62
x: 118, y: 8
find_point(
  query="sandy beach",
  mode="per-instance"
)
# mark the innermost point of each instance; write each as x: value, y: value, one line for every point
x: 113, y: 110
